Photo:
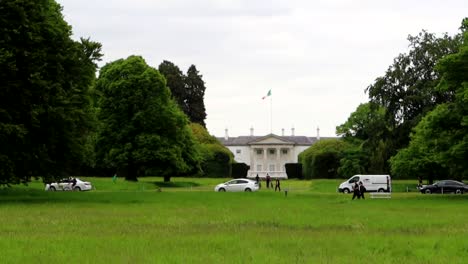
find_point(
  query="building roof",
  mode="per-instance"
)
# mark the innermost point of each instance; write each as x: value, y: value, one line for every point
x: 247, y: 140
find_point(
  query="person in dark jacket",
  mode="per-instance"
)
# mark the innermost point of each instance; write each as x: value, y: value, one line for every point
x: 257, y: 179
x: 362, y: 190
x: 277, y: 185
x: 268, y: 181
x: 356, y: 191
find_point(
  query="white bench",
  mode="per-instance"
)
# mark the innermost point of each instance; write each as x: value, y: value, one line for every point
x: 380, y: 195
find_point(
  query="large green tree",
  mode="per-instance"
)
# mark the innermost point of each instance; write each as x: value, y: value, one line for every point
x: 398, y: 101
x: 195, y: 96
x: 143, y: 131
x: 366, y: 130
x: 187, y: 90
x: 44, y: 91
x: 407, y: 90
x: 175, y: 81
x: 366, y: 121
x: 439, y: 145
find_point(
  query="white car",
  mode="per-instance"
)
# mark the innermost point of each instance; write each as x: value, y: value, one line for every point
x: 69, y: 184
x: 237, y: 185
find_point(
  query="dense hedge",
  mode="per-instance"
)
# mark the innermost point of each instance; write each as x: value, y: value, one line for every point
x: 216, y: 161
x: 322, y: 159
x: 216, y: 158
x: 239, y: 170
x: 294, y: 170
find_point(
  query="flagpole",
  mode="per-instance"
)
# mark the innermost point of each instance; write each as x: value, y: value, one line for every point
x: 271, y: 114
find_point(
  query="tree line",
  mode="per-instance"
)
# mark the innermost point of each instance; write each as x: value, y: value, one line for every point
x: 415, y: 123
x: 58, y: 119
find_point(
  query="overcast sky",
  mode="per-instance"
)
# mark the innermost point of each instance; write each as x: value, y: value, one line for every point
x: 317, y: 57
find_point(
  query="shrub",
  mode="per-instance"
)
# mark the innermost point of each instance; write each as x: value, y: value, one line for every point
x: 322, y: 159
x: 294, y: 170
x: 239, y: 170
x: 216, y: 161
x: 216, y: 158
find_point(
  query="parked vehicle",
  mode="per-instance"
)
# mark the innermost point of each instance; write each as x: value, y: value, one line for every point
x: 69, y: 184
x: 237, y: 185
x: 372, y: 183
x: 445, y: 186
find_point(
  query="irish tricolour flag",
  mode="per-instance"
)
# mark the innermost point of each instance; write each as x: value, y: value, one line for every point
x: 268, y: 94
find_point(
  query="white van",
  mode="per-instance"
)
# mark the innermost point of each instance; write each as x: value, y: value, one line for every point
x: 372, y: 183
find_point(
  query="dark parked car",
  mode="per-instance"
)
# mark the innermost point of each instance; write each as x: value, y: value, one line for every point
x: 446, y: 186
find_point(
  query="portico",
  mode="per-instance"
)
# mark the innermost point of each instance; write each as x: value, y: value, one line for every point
x: 269, y: 155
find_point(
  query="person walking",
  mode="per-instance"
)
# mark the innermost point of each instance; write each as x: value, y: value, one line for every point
x: 257, y: 179
x: 356, y: 191
x: 268, y: 181
x: 277, y: 185
x: 362, y: 190
x: 419, y: 182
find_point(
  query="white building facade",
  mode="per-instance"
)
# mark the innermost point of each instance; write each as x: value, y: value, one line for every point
x: 267, y: 154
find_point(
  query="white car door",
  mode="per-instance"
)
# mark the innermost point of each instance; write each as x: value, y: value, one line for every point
x: 64, y: 185
x: 241, y: 185
x: 231, y: 185
x: 236, y: 186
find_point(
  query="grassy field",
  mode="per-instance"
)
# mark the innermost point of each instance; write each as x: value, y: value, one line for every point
x: 186, y: 222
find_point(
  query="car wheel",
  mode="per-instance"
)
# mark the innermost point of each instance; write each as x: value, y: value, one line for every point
x: 345, y: 190
x: 52, y: 189
x: 78, y: 189
x: 381, y: 190
x: 221, y: 190
x: 458, y: 191
x: 428, y: 191
x: 248, y: 190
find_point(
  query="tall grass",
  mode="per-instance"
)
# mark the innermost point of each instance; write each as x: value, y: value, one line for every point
x: 186, y: 222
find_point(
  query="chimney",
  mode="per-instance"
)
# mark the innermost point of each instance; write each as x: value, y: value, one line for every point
x: 226, y: 136
x: 282, y: 132
x: 292, y: 131
x: 318, y: 133
x: 251, y: 131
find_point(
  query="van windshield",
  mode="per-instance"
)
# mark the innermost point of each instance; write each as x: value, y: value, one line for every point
x: 354, y: 179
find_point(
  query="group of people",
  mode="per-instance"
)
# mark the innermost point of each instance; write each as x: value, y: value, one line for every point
x: 268, y: 182
x: 358, y: 190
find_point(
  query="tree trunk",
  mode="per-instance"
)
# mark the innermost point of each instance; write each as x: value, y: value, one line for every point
x: 431, y: 179
x: 130, y: 173
x: 167, y: 178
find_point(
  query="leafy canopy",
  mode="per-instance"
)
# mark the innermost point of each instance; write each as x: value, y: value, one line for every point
x: 439, y: 144
x: 45, y: 78
x: 142, y: 129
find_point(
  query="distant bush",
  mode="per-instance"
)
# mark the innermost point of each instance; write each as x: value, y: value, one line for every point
x: 294, y: 170
x: 239, y: 170
x: 216, y: 161
x: 322, y: 159
x: 216, y: 158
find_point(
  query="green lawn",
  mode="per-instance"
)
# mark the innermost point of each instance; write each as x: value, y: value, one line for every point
x: 186, y: 222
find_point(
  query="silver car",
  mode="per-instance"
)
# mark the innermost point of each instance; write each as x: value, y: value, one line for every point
x: 69, y: 184
x: 237, y: 185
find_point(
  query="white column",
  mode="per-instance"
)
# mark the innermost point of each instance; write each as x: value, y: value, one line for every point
x: 278, y: 159
x: 265, y: 160
x: 291, y: 155
x: 252, y: 160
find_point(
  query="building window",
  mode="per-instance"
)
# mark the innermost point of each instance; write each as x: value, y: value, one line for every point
x: 272, y: 167
x: 259, y: 151
x: 272, y: 151
x: 238, y: 151
x: 259, y: 167
x: 285, y: 151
